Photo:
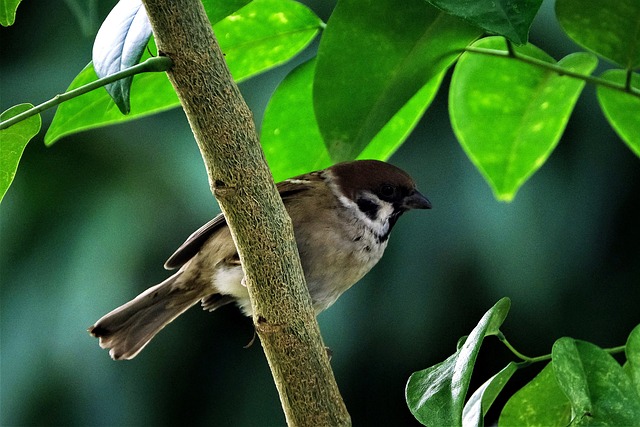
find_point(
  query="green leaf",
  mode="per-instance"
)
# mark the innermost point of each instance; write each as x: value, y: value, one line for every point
x: 540, y: 403
x: 509, y: 18
x: 217, y: 10
x: 150, y: 93
x: 278, y: 28
x: 119, y: 44
x: 374, y: 56
x: 435, y: 396
x: 622, y: 110
x: 571, y: 375
x: 482, y: 399
x: 8, y: 12
x: 292, y: 141
x: 398, y: 129
x: 632, y: 351
x: 13, y: 140
x: 290, y: 136
x: 597, y: 387
x: 265, y: 34
x: 509, y: 115
x: 609, y: 29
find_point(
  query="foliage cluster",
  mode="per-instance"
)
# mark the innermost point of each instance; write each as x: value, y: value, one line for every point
x: 582, y: 384
x: 378, y: 67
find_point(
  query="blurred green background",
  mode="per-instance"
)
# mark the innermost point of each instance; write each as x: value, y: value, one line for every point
x: 89, y: 222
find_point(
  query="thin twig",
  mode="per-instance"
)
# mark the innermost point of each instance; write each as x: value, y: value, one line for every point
x: 528, y: 360
x: 519, y: 355
x: 157, y: 64
x: 626, y: 88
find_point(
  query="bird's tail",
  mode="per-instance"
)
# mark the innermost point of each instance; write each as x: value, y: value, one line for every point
x: 130, y: 327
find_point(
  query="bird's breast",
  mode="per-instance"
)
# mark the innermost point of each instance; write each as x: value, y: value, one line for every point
x: 335, y: 258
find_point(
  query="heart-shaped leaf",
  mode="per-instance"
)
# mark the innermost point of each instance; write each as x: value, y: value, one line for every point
x: 482, y: 399
x: 436, y: 395
x: 509, y: 18
x: 509, y: 115
x: 597, y: 387
x: 609, y: 29
x: 632, y: 351
x: 374, y: 56
x: 622, y: 110
x: 8, y: 12
x: 119, y: 44
x: 13, y: 140
x: 539, y: 403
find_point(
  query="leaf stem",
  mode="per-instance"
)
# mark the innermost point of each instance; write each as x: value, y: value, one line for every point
x: 527, y: 359
x: 512, y: 52
x: 156, y: 64
x: 626, y: 88
x: 615, y: 350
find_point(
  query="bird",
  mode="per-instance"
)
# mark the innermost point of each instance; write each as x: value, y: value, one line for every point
x: 342, y: 217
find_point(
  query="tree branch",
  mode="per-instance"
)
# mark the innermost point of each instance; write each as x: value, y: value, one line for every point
x: 241, y: 181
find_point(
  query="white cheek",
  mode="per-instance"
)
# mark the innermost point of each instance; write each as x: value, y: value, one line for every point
x: 380, y: 225
x: 384, y: 213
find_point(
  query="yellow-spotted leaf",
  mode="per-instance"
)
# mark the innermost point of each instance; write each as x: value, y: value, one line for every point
x: 622, y: 110
x: 509, y: 115
x: 539, y: 403
x: 264, y: 34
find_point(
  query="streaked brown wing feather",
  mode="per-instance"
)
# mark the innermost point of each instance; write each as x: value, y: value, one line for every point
x: 194, y: 243
x: 288, y: 190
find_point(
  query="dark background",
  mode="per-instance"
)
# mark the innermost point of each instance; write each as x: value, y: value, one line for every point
x: 88, y: 223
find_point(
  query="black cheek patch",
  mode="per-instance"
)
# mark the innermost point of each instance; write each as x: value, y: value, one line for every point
x: 368, y: 207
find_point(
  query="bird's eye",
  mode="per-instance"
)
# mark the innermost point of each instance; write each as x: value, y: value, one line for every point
x: 387, y: 191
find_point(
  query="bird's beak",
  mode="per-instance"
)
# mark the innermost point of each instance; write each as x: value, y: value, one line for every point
x: 416, y: 201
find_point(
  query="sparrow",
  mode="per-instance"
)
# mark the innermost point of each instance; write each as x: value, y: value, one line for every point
x: 341, y: 216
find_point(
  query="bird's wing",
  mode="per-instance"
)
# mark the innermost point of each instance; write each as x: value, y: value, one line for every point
x: 294, y: 186
x: 192, y: 245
